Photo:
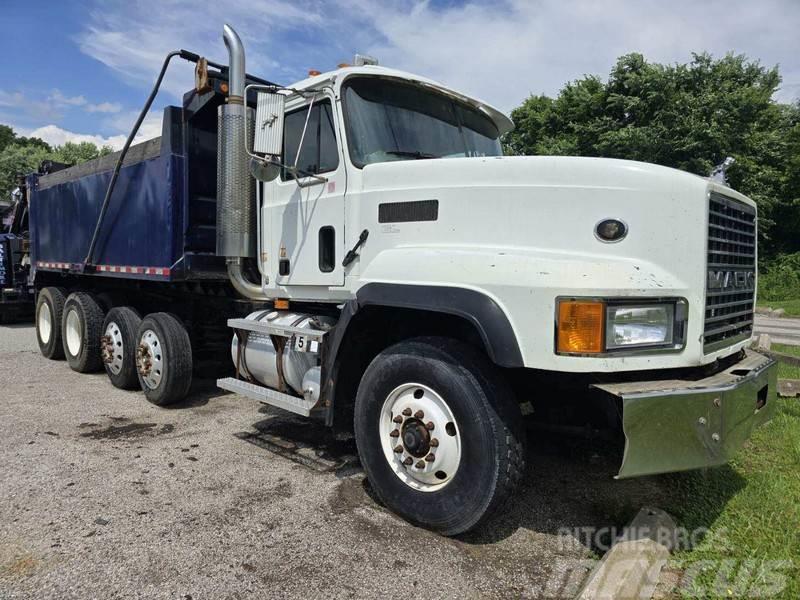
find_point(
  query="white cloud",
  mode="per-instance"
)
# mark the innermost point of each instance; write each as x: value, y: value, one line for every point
x: 57, y: 136
x: 104, y: 107
x: 59, y: 99
x: 500, y: 51
x: 505, y: 51
x: 133, y: 38
x: 32, y: 107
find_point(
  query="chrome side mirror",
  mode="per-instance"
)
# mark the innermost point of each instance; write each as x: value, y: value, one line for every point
x: 268, y: 139
x: 264, y: 170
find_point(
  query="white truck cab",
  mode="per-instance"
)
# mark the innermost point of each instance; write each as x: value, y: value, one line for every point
x: 422, y: 286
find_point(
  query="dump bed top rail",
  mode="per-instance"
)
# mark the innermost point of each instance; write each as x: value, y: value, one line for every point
x: 137, y: 153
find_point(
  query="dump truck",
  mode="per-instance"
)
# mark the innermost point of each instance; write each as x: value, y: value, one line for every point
x: 16, y: 290
x: 356, y: 248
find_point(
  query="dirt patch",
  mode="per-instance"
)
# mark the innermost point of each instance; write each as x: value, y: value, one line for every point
x: 19, y: 567
x: 131, y: 430
x: 350, y: 494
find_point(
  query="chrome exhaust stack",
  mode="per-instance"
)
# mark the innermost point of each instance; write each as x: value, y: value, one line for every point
x: 236, y: 201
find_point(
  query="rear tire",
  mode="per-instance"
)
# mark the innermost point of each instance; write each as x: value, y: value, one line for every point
x: 49, y: 309
x: 439, y: 434
x: 118, y: 347
x: 163, y: 359
x: 81, y: 328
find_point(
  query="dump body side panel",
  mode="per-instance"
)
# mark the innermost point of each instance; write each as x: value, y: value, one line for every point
x: 160, y: 220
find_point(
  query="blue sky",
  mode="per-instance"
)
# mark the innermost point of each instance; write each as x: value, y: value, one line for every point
x: 81, y: 70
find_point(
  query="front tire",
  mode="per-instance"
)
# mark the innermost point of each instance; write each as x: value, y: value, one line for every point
x: 118, y: 347
x: 439, y: 434
x: 49, y: 310
x: 163, y: 359
x: 81, y: 328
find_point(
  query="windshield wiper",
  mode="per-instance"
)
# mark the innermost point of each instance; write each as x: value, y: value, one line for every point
x: 414, y: 154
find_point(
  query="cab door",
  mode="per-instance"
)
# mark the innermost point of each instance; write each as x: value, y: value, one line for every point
x: 305, y: 216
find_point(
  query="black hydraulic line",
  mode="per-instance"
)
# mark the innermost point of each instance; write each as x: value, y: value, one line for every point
x: 186, y: 55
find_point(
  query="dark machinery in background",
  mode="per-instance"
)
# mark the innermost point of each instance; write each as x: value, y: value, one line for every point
x: 16, y: 291
x: 16, y: 295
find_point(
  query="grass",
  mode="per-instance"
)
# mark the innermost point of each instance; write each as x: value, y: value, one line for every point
x: 792, y: 307
x: 751, y: 509
x: 787, y: 371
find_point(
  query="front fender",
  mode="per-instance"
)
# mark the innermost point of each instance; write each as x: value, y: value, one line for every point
x: 524, y: 284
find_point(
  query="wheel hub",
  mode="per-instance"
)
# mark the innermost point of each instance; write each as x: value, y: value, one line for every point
x: 45, y: 322
x: 111, y: 348
x: 420, y: 437
x: 416, y: 438
x: 149, y: 361
x: 73, y: 331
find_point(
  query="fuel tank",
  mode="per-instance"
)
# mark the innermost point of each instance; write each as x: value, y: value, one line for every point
x: 285, y: 370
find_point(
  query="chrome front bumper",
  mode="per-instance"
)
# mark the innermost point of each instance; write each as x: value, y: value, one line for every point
x: 676, y: 425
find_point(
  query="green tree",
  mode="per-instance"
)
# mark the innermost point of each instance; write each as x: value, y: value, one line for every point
x: 74, y: 154
x: 688, y: 116
x: 24, y: 155
x: 6, y: 136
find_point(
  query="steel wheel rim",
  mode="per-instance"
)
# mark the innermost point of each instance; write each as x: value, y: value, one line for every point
x: 149, y: 359
x: 44, y: 321
x: 113, y: 349
x: 74, y: 334
x: 420, y: 437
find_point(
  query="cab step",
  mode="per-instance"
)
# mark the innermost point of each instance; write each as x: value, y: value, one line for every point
x: 269, y: 396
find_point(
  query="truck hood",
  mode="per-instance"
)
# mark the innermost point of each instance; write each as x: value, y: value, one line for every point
x: 513, y: 171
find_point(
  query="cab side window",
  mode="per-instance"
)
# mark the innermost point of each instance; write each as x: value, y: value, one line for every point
x: 319, y: 153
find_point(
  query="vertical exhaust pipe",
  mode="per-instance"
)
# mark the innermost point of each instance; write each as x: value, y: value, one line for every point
x: 236, y: 202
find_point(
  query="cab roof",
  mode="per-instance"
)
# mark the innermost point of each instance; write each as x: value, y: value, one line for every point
x: 503, y: 123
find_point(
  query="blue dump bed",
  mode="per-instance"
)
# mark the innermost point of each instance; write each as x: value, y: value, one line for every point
x: 161, y: 221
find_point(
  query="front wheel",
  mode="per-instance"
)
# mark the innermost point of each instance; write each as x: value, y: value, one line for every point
x: 439, y: 434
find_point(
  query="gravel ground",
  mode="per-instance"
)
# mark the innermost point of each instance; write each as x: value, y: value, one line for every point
x: 103, y: 495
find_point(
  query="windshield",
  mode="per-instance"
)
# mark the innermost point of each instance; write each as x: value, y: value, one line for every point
x: 391, y: 120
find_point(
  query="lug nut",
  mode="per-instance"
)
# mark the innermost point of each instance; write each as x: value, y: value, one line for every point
x: 398, y: 419
x: 394, y: 433
x: 420, y: 464
x: 407, y: 412
x: 419, y: 414
x: 408, y: 460
x: 430, y: 458
x: 429, y: 425
x: 398, y: 448
x: 434, y: 442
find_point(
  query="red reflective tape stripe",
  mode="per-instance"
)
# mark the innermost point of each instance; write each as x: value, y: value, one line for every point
x: 159, y: 271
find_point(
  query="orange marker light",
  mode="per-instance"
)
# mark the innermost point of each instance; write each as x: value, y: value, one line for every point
x: 314, y: 73
x: 580, y: 326
x: 223, y: 87
x: 281, y: 304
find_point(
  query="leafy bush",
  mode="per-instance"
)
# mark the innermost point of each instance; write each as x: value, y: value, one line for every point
x: 780, y: 278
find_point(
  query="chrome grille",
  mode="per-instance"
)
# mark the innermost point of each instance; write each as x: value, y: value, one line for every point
x: 730, y: 288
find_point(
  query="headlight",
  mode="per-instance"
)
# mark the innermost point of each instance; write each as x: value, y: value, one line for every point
x: 587, y: 326
x: 628, y: 326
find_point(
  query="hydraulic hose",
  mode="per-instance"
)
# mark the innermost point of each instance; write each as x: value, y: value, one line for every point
x: 186, y: 55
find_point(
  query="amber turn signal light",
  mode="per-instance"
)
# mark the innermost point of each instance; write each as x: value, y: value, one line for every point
x: 580, y: 326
